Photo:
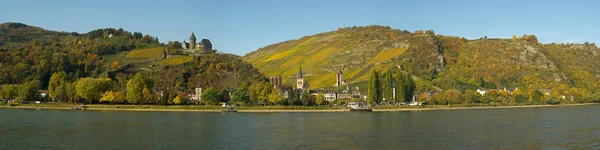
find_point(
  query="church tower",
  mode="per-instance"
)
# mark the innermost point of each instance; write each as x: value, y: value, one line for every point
x: 300, y: 79
x: 192, y: 41
x: 339, y: 79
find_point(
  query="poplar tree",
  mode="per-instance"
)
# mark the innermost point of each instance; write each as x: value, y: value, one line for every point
x: 374, y: 91
x: 405, y: 87
x: 387, y: 87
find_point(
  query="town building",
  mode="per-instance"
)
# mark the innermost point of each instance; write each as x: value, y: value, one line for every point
x: 330, y: 96
x: 196, y: 96
x: 349, y: 94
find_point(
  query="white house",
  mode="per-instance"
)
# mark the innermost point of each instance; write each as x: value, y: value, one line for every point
x: 330, y: 96
x: 482, y: 91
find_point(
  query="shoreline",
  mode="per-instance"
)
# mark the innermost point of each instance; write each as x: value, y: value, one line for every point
x: 294, y: 110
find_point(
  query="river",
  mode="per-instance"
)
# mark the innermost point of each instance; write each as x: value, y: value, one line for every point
x: 518, y: 128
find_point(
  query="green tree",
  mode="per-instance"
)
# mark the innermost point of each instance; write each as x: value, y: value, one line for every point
x: 537, y: 97
x: 294, y: 97
x: 28, y: 92
x: 72, y: 93
x: 241, y: 95
x: 210, y: 96
x: 11, y: 91
x: 520, y: 96
x: 410, y: 87
x: 387, y: 87
x: 374, y: 91
x: 405, y: 87
x: 304, y: 98
x: 165, y: 97
x: 60, y: 92
x: 320, y: 99
x: 472, y: 96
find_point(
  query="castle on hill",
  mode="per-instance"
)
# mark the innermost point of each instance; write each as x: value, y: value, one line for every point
x: 204, y: 46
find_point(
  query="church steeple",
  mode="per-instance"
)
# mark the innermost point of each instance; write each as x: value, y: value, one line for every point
x: 300, y: 72
x: 300, y: 80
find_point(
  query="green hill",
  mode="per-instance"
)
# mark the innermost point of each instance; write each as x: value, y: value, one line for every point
x: 446, y: 62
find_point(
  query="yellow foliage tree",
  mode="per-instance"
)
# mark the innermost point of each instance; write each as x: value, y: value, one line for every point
x: 177, y: 100
x: 113, y: 97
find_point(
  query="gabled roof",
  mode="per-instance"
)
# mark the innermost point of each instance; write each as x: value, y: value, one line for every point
x: 205, y: 41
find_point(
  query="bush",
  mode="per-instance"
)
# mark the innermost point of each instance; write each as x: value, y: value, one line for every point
x: 552, y: 100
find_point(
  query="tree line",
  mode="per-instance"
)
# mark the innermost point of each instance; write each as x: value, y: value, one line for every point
x: 381, y: 87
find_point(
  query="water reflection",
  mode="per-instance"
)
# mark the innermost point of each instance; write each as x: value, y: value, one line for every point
x: 529, y: 128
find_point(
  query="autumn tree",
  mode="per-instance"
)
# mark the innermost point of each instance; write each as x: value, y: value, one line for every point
x: 148, y: 96
x: 135, y: 87
x: 91, y: 89
x: 113, y: 97
x: 116, y: 65
x: 276, y: 98
x: 177, y: 100
x: 56, y: 79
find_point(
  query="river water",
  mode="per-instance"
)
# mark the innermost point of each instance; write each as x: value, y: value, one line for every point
x: 519, y: 128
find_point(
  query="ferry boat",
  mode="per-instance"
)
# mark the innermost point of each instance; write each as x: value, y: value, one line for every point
x: 359, y: 107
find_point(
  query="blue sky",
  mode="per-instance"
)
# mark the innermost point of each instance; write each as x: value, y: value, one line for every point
x: 242, y: 26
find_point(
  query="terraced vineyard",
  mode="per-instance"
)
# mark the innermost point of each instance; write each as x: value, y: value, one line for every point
x: 437, y: 62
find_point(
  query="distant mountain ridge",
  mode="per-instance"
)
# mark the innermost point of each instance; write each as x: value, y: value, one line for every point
x: 441, y: 61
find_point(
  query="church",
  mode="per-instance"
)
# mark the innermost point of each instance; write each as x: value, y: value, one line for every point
x: 204, y: 46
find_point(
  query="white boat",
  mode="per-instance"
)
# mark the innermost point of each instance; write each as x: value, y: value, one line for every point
x: 359, y: 106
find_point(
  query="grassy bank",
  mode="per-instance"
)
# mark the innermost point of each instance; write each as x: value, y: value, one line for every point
x: 197, y: 108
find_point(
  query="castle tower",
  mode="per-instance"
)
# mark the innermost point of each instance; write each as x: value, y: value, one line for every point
x: 300, y: 79
x: 192, y: 41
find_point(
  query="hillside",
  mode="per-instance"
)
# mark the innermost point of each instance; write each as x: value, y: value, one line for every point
x: 446, y: 62
x: 30, y: 53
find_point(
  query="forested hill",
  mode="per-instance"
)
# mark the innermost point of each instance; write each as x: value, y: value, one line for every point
x: 438, y: 61
x: 114, y: 66
x: 29, y: 53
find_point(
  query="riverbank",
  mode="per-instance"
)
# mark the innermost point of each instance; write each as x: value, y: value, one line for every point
x: 266, y: 109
